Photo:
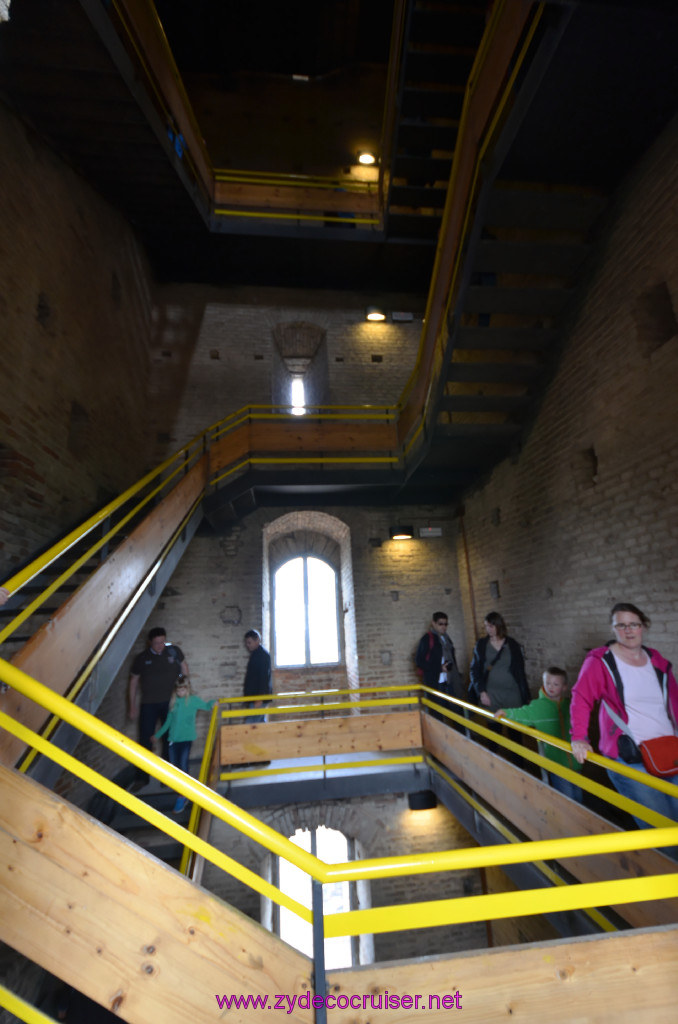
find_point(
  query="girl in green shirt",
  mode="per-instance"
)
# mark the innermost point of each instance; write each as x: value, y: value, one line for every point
x: 180, y: 722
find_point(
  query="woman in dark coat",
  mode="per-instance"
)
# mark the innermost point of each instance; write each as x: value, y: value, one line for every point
x: 498, y: 668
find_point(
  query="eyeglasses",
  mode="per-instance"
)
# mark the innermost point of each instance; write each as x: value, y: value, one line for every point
x: 627, y: 625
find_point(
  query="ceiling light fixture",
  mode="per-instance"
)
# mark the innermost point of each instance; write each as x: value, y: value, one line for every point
x: 364, y: 157
x: 374, y: 313
x: 401, y: 532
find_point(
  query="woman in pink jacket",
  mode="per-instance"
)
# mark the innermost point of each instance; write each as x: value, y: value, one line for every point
x: 635, y: 685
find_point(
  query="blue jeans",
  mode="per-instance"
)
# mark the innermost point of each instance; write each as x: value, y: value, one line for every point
x: 179, y: 753
x: 652, y: 798
x: 565, y: 787
x: 251, y: 719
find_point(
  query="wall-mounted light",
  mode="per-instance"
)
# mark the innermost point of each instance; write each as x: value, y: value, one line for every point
x: 401, y: 532
x: 366, y: 158
x: 424, y: 800
x: 374, y: 313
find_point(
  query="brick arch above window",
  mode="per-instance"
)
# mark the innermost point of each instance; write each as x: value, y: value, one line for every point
x: 304, y: 542
x: 308, y: 532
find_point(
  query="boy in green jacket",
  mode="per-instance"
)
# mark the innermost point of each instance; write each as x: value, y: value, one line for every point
x: 550, y: 713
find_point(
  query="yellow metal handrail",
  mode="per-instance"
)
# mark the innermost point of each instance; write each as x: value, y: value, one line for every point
x: 169, y: 470
x: 148, y: 762
x: 188, y: 857
x: 511, y: 836
x: 173, y: 466
x: 92, y: 662
x: 346, y: 183
x: 21, y: 1009
x: 603, y: 792
x: 445, y: 276
x: 334, y: 766
x: 352, y: 922
x: 346, y: 705
x: 252, y: 412
x: 462, y: 910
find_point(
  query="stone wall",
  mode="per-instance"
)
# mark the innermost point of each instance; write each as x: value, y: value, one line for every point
x: 75, y: 335
x: 585, y: 516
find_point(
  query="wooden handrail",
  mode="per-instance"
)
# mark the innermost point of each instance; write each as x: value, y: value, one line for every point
x: 62, y: 645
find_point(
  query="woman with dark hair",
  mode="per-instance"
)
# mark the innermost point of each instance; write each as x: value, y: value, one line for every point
x: 638, y: 701
x: 498, y: 668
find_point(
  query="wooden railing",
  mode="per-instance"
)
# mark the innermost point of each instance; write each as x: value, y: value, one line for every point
x: 157, y: 927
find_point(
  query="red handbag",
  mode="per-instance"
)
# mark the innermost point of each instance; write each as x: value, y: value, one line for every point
x: 660, y: 756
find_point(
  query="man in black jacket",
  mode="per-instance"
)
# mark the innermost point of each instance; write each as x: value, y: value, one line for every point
x: 258, y: 674
x: 436, y: 661
x: 152, y: 679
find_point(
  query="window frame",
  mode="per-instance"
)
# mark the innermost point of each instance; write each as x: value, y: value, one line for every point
x: 307, y: 663
x: 358, y: 892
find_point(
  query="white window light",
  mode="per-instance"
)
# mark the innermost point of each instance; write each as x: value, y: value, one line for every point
x: 305, y: 613
x: 332, y: 847
x: 298, y: 397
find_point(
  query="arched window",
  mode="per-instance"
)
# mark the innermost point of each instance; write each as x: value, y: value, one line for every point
x: 333, y: 847
x: 305, y: 619
x: 313, y: 642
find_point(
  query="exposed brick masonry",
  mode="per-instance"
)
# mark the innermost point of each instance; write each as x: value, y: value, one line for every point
x: 75, y: 311
x: 587, y: 513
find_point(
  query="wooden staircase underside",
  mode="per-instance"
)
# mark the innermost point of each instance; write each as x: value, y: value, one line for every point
x: 139, y: 938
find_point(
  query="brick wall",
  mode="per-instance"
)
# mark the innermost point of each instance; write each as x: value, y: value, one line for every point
x: 215, y: 595
x: 586, y: 515
x: 75, y: 318
x: 215, y: 351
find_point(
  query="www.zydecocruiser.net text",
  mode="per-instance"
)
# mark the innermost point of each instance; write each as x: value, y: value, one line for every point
x: 383, y: 1001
